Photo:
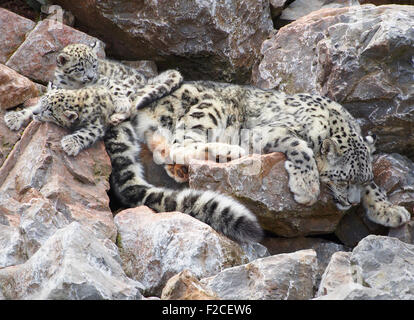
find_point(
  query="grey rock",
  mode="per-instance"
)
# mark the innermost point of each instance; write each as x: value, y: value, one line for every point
x: 336, y: 274
x: 355, y: 291
x: 385, y: 264
x: 71, y: 264
x: 361, y: 57
x: 280, y: 277
x: 156, y: 246
x: 300, y: 8
x: 206, y: 39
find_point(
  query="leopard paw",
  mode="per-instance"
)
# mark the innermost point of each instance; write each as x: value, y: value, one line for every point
x: 14, y: 120
x: 389, y: 215
x: 71, y: 145
x: 304, y: 186
x: 178, y: 172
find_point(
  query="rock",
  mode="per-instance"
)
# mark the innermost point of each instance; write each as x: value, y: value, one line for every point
x: 404, y: 233
x: 281, y: 277
x: 337, y: 273
x: 185, y: 286
x: 13, y: 30
x: 324, y: 249
x: 215, y: 40
x: 14, y: 88
x: 300, y: 8
x: 355, y: 291
x: 369, y: 70
x: 261, y: 183
x: 72, y: 264
x: 60, y: 189
x: 156, y: 246
x: 386, y: 264
x: 36, y: 57
x: 395, y: 175
x: 11, y: 246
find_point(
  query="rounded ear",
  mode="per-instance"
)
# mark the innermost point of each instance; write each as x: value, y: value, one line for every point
x: 62, y: 59
x: 95, y: 46
x: 70, y: 115
x: 370, y: 141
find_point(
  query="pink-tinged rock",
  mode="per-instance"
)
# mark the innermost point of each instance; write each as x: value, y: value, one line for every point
x: 261, y: 183
x: 14, y: 88
x: 360, y: 56
x: 206, y: 39
x: 156, y: 246
x: 186, y: 286
x: 36, y: 57
x: 38, y: 171
x: 13, y: 30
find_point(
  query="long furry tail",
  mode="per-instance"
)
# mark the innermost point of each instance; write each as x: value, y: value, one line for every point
x: 221, y: 212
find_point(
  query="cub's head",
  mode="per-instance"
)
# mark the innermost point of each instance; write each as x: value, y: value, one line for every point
x: 53, y: 107
x: 76, y: 65
x: 346, y: 168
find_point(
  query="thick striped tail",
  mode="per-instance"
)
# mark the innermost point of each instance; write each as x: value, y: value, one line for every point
x: 221, y: 212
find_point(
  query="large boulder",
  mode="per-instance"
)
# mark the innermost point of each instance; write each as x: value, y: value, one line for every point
x: 156, y: 246
x: 13, y: 30
x: 281, y: 277
x: 261, y: 183
x: 15, y: 88
x: 360, y: 56
x: 205, y: 39
x: 71, y: 265
x: 378, y: 268
x: 42, y: 189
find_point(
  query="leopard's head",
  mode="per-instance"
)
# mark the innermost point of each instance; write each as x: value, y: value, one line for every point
x: 346, y: 167
x: 54, y: 107
x: 76, y: 66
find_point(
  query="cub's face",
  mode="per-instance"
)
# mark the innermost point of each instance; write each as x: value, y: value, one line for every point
x: 53, y: 107
x: 346, y: 171
x: 76, y: 66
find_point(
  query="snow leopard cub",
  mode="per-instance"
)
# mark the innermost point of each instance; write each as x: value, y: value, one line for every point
x: 87, y: 112
x: 78, y: 65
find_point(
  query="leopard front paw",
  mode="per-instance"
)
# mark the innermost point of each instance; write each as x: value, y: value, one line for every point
x: 389, y: 215
x: 14, y: 120
x: 178, y: 172
x: 304, y: 186
x: 71, y: 145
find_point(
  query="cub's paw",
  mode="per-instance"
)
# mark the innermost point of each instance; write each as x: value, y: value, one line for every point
x: 71, y: 145
x: 14, y: 120
x: 389, y: 215
x: 304, y: 186
x: 222, y: 151
x: 178, y: 172
x: 117, y: 118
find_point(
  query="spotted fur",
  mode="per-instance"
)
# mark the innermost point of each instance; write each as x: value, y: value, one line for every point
x: 78, y: 65
x: 321, y: 140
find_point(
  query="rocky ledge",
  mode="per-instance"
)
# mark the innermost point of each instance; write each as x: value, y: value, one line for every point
x: 63, y: 237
